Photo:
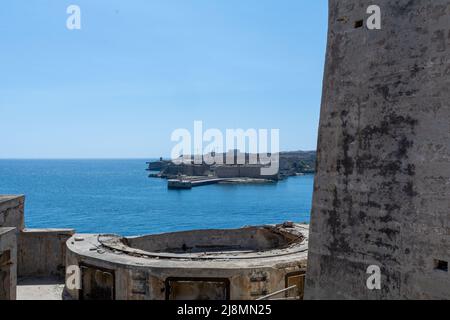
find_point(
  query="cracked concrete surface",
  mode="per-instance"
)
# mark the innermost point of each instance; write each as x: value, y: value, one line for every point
x: 40, y: 289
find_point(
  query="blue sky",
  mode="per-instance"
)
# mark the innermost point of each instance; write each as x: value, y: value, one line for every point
x: 137, y: 70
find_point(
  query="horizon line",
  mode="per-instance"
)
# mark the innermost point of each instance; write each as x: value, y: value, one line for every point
x: 110, y: 158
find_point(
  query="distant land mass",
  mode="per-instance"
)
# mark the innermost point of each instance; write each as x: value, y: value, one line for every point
x: 297, y: 162
x: 291, y: 163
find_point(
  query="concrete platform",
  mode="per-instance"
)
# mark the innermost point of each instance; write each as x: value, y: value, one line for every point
x: 234, y: 264
x: 40, y: 289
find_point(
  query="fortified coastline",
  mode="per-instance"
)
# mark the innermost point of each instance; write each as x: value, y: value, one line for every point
x: 188, y: 174
x: 380, y: 195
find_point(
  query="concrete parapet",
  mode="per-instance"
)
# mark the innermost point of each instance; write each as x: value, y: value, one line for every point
x: 42, y: 252
x: 12, y: 211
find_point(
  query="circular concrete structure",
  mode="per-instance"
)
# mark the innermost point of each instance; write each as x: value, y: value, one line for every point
x: 236, y: 264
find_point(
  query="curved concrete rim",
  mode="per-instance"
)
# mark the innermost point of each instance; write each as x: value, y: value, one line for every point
x: 90, y: 246
x: 116, y: 243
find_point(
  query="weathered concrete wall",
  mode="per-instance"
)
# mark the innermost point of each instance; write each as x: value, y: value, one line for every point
x: 143, y: 283
x: 11, y: 212
x: 42, y: 252
x: 381, y: 194
x: 8, y: 263
x: 242, y: 171
x: 187, y: 169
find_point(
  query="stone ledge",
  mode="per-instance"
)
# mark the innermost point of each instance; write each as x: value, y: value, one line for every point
x: 11, y: 201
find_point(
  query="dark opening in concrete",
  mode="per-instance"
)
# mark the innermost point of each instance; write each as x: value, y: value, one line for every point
x: 97, y: 283
x: 296, y: 279
x: 197, y: 289
x: 441, y: 265
x: 359, y: 24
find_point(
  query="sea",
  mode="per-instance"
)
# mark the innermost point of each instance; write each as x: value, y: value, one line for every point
x: 118, y: 197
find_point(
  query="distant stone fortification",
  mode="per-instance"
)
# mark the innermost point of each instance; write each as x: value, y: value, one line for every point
x: 290, y: 164
x: 382, y: 189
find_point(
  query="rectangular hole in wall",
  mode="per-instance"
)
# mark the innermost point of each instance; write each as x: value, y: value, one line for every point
x: 295, y: 279
x: 441, y: 265
x: 97, y: 283
x: 197, y: 289
x: 359, y: 24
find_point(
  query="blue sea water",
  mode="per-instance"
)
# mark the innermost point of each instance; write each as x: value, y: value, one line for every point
x: 116, y: 196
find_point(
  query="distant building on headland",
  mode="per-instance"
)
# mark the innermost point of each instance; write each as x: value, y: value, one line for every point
x: 290, y: 164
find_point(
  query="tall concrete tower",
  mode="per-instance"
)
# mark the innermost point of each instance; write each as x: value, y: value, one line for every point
x: 382, y: 190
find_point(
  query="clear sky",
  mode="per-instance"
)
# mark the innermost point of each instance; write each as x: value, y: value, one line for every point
x: 139, y: 69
